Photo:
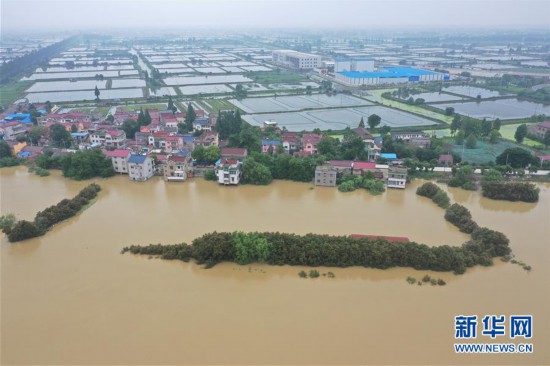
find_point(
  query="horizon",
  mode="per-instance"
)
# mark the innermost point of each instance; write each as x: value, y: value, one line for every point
x: 173, y: 15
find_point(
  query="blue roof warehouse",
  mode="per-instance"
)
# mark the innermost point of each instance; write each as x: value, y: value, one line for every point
x: 389, y: 75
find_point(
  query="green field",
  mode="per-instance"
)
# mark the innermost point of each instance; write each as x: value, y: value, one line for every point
x: 484, y: 151
x: 215, y: 105
x: 274, y: 77
x: 9, y: 93
x: 508, y: 131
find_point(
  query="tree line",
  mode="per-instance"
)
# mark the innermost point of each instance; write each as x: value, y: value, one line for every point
x: 83, y: 164
x: 326, y: 250
x: 44, y: 220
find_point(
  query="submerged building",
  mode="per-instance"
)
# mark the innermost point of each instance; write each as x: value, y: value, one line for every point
x: 388, y: 75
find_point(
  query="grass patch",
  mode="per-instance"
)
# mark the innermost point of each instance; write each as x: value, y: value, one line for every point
x: 10, y: 92
x: 273, y: 77
x: 507, y: 132
x: 484, y: 152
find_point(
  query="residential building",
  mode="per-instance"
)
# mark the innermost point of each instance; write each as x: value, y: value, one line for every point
x: 539, y: 129
x: 407, y: 136
x: 290, y: 144
x: 422, y: 142
x: 296, y: 60
x: 342, y: 166
x: 10, y: 130
x: 140, y: 167
x: 397, y: 177
x: 234, y: 153
x: 228, y: 171
x: 119, y: 159
x: 445, y: 159
x: 273, y: 144
x: 176, y: 168
x: 208, y: 138
x: 325, y: 175
x: 109, y: 138
x: 309, y: 142
x: 201, y: 124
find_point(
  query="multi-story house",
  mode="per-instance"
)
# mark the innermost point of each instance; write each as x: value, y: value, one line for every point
x: 325, y: 175
x: 208, y: 138
x: 176, y: 168
x: 407, y: 136
x: 10, y: 130
x: 273, y: 144
x: 228, y: 171
x: 290, y: 144
x: 109, y: 138
x: 397, y: 177
x: 236, y: 153
x: 119, y: 159
x: 539, y: 130
x: 309, y: 142
x: 140, y: 167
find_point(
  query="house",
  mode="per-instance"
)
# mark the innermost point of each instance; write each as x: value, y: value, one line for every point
x: 176, y: 168
x: 10, y: 130
x: 188, y: 142
x: 173, y: 143
x: 201, y: 124
x: 445, y: 159
x: 213, y: 119
x: 119, y: 159
x: 140, y: 167
x: 109, y: 138
x: 406, y: 136
x: 325, y: 175
x: 30, y: 152
x: 273, y: 144
x: 309, y: 142
x: 539, y: 130
x: 228, y: 171
x: 79, y: 137
x: 290, y: 144
x: 16, y: 146
x: 397, y: 177
x: 422, y: 142
x: 208, y: 138
x: 234, y: 153
x: 342, y: 166
x: 361, y: 167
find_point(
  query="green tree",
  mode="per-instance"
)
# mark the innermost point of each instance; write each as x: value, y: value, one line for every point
x: 449, y: 111
x: 362, y: 123
x: 308, y: 90
x: 255, y: 173
x: 147, y: 119
x: 546, y: 139
x: 496, y: 124
x: 459, y: 138
x: 328, y: 146
x: 521, y: 132
x: 7, y: 222
x: 198, y: 153
x: 373, y: 121
x: 130, y: 127
x: 36, y: 133
x: 74, y: 128
x: 86, y: 164
x: 471, y: 142
x: 190, y: 116
x: 170, y: 103
x: 456, y: 124
x: 96, y: 92
x: 517, y: 158
x: 211, y: 154
x: 494, y: 136
x: 60, y: 136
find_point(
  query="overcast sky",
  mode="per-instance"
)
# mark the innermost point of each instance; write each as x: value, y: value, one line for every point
x: 355, y: 14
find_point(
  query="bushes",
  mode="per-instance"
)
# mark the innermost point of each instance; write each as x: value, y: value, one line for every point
x: 52, y: 215
x: 432, y: 191
x: 352, y: 182
x: 510, y: 191
x: 210, y: 175
x: 460, y: 217
x: 336, y: 251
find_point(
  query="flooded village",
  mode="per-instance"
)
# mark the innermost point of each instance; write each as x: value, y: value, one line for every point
x: 336, y: 134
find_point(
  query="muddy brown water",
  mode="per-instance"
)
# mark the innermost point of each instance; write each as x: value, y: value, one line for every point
x: 70, y: 298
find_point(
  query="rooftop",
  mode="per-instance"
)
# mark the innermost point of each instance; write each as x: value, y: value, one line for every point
x: 388, y: 72
x: 137, y: 159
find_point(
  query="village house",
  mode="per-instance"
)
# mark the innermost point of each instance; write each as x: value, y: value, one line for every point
x: 30, y: 152
x: 342, y: 166
x: 16, y: 146
x: 10, y: 130
x: 228, y: 171
x: 109, y: 138
x: 201, y: 124
x: 208, y: 138
x: 290, y: 143
x: 188, y: 142
x: 445, y: 160
x: 140, y: 167
x: 325, y: 175
x: 173, y: 143
x: 422, y: 142
x: 406, y: 136
x: 309, y: 143
x: 234, y: 153
x: 397, y: 177
x: 267, y: 144
x: 176, y: 168
x: 539, y: 130
x: 119, y: 159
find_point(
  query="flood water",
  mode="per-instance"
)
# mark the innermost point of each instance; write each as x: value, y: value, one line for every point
x: 71, y: 298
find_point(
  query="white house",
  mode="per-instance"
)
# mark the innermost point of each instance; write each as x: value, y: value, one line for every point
x: 119, y: 159
x: 228, y: 171
x: 140, y: 167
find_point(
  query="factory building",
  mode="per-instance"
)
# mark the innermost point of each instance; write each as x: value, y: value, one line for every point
x: 354, y: 64
x: 389, y: 75
x: 296, y: 60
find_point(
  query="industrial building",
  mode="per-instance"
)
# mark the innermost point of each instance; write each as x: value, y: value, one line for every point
x: 296, y: 60
x: 388, y: 75
x: 354, y: 64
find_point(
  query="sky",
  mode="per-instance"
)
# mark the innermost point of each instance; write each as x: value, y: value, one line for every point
x: 70, y: 15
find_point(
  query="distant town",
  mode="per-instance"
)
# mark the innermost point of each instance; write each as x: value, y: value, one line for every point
x: 248, y: 110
